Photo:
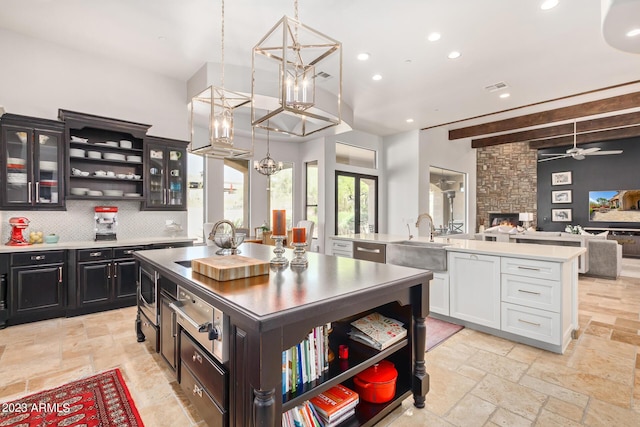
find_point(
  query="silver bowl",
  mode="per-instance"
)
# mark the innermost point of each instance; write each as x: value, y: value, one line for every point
x: 226, y: 243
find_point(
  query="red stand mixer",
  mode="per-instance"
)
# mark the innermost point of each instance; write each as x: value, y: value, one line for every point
x: 18, y: 223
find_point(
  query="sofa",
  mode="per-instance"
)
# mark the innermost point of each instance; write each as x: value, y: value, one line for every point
x: 605, y: 258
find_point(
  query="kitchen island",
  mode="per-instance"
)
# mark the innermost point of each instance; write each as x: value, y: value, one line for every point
x: 265, y: 315
x: 523, y: 292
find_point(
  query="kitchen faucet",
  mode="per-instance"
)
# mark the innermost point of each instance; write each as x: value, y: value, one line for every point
x: 431, y: 227
x: 410, y: 235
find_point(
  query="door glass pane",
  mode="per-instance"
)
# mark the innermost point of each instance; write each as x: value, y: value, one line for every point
x: 176, y: 173
x: 157, y: 193
x: 311, y: 213
x: 345, y: 204
x: 17, y: 156
x: 447, y: 201
x: 47, y: 150
x: 236, y: 192
x: 281, y: 192
x: 367, y: 205
x: 195, y: 196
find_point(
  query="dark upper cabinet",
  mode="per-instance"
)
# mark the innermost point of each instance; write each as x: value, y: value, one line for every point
x: 165, y: 174
x: 32, y: 163
x: 105, y: 157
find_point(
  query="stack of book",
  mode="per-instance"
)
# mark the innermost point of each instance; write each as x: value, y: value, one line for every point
x: 303, y: 415
x: 305, y: 362
x: 377, y: 331
x: 335, y: 405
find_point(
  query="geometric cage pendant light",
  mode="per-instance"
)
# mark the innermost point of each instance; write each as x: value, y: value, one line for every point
x: 215, y: 105
x: 296, y: 79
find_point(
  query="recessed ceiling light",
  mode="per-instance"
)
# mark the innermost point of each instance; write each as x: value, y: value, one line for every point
x: 548, y: 4
x: 455, y: 54
x: 409, y: 120
x: 363, y: 56
x: 634, y: 32
x: 434, y: 37
x: 377, y: 77
x: 505, y: 95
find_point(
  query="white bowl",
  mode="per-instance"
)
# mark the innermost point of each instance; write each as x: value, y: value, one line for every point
x: 47, y: 166
x: 76, y: 152
x: 16, y: 178
x: 125, y: 143
x: 100, y: 173
x: 94, y: 193
x: 114, y: 156
x: 16, y: 161
x: 79, y: 191
x: 136, y: 159
x: 78, y: 139
x: 111, y: 143
x: 132, y: 194
x: 137, y: 176
x: 113, y: 193
x: 121, y: 175
x: 94, y: 154
x: 84, y: 173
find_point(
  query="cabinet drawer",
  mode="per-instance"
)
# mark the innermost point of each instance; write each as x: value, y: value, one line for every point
x: 126, y: 252
x: 36, y: 258
x: 342, y: 248
x: 532, y: 292
x: 212, y: 376
x: 212, y: 415
x: 531, y: 268
x: 531, y: 322
x: 150, y: 332
x: 369, y: 251
x: 94, y: 254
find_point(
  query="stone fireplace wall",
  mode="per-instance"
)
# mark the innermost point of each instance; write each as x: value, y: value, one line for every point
x: 506, y: 180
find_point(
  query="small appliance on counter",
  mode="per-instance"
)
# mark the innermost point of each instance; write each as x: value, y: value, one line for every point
x: 18, y: 224
x: 105, y: 217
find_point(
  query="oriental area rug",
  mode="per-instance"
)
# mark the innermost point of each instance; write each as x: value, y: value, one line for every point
x: 438, y: 331
x: 102, y: 400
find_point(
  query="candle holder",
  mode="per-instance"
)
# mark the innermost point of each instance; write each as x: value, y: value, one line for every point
x: 300, y: 255
x: 278, y: 260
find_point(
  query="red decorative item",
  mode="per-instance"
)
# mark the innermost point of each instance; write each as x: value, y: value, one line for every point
x: 377, y: 384
x: 299, y: 235
x: 279, y: 222
x: 18, y: 223
x: 100, y: 400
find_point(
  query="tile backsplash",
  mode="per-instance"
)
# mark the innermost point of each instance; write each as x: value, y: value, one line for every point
x: 77, y: 222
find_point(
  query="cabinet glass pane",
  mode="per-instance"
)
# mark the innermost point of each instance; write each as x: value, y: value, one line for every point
x: 157, y: 193
x: 17, y: 163
x: 47, y: 176
x: 176, y: 172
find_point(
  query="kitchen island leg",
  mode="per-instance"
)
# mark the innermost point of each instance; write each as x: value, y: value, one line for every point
x: 420, y: 309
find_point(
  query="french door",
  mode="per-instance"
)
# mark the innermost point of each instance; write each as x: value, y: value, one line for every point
x: 356, y: 203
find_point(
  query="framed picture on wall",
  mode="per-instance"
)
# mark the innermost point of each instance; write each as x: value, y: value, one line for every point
x: 561, y: 178
x: 561, y: 196
x: 561, y: 215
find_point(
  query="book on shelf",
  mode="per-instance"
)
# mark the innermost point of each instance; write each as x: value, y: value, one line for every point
x: 302, y: 415
x: 306, y: 361
x: 333, y: 403
x: 377, y: 331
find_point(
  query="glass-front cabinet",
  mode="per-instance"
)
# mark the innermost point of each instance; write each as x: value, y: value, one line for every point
x: 165, y: 174
x: 32, y: 163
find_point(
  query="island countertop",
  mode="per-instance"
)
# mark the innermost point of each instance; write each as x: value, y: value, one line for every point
x: 81, y: 244
x: 287, y: 295
x: 515, y: 250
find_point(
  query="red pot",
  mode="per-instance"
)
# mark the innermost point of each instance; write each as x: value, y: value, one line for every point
x: 377, y: 384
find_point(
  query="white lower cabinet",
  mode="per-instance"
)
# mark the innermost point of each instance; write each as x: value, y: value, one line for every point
x: 530, y: 322
x: 342, y: 248
x: 474, y: 283
x: 439, y: 293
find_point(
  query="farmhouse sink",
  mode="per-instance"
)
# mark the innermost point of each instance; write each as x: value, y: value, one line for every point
x: 425, y: 255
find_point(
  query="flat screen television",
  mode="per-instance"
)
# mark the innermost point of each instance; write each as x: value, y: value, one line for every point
x: 614, y: 206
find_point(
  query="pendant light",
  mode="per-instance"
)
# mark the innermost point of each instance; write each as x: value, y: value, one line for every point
x: 267, y: 166
x: 306, y: 67
x: 218, y: 104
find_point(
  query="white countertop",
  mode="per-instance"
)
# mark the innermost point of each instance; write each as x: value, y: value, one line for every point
x: 515, y: 250
x: 81, y: 244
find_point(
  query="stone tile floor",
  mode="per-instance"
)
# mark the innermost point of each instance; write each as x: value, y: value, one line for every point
x: 476, y: 379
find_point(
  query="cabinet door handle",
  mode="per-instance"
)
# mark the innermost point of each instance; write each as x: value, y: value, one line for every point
x: 60, y: 274
x: 108, y: 271
x: 371, y: 251
x: 197, y: 390
x: 37, y: 257
x: 529, y: 323
x: 522, y: 267
x: 474, y: 256
x: 29, y: 191
x: 115, y: 270
x: 37, y: 191
x: 174, y: 320
x: 524, y: 291
x: 95, y: 254
x: 197, y: 357
x: 128, y: 252
x: 342, y: 245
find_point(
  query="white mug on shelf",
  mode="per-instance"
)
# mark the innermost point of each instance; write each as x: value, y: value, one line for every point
x: 175, y: 172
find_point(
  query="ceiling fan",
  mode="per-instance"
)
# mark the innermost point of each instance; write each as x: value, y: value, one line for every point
x: 578, y: 153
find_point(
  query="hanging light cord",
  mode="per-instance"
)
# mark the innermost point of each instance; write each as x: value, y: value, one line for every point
x: 222, y: 49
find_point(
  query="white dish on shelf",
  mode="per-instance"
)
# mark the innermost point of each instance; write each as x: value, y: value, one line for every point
x: 47, y: 165
x: 100, y: 173
x: 121, y: 175
x: 84, y: 173
x: 111, y: 143
x: 78, y: 191
x: 124, y: 143
x: 113, y: 193
x: 132, y: 195
x: 94, y: 193
x: 137, y: 176
x: 114, y: 156
x: 16, y: 178
x: 76, y: 152
x: 15, y: 161
x: 78, y: 139
x: 94, y: 154
x: 136, y: 159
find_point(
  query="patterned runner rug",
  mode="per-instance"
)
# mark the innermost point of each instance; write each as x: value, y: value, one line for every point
x: 438, y: 331
x: 102, y: 400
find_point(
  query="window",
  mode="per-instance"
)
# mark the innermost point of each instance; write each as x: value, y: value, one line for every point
x: 195, y: 196
x: 356, y: 203
x: 311, y: 197
x: 355, y: 156
x: 281, y: 192
x: 236, y: 192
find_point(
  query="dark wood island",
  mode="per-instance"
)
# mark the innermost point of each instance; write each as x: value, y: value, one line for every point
x: 226, y: 339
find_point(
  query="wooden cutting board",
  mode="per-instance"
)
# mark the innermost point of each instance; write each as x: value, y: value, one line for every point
x: 229, y: 267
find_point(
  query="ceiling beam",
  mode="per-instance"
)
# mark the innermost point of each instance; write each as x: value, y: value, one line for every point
x: 611, y: 122
x: 601, y: 106
x: 585, y: 138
